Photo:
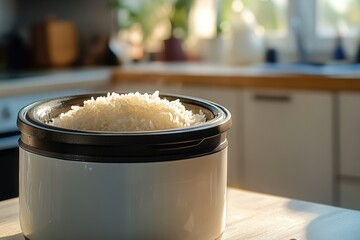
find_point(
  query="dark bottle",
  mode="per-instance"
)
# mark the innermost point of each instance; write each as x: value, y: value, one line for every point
x: 339, y: 53
x: 357, y: 58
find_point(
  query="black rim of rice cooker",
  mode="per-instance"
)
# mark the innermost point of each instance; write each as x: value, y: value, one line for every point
x: 40, y: 138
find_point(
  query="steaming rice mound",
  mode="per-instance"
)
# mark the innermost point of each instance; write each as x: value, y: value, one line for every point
x: 128, y: 112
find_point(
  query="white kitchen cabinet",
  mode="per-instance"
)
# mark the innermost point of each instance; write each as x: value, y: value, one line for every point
x: 288, y: 143
x: 349, y: 122
x: 227, y: 97
x: 232, y: 100
x: 150, y: 87
x: 349, y: 149
x: 349, y: 194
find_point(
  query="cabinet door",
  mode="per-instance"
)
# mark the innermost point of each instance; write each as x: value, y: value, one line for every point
x: 349, y: 121
x: 288, y: 144
x: 350, y: 195
x: 149, y: 87
x: 349, y: 150
x: 232, y: 100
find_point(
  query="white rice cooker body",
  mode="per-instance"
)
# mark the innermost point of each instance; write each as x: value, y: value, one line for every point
x: 183, y: 199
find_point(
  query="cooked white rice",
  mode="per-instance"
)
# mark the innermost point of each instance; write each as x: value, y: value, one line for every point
x: 128, y: 112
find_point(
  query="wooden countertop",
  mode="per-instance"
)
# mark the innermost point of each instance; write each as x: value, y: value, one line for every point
x: 328, y: 78
x: 251, y: 216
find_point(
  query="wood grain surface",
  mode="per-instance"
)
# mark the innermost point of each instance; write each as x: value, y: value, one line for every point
x: 251, y: 216
x: 236, y: 77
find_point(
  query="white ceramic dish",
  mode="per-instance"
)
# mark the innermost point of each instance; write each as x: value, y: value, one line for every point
x: 167, y: 184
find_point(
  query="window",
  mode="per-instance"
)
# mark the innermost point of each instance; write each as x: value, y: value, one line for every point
x: 309, y: 27
x: 270, y: 14
x: 338, y: 15
x: 297, y: 29
x: 330, y: 17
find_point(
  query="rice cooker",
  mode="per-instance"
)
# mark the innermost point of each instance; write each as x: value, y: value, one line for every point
x: 166, y: 184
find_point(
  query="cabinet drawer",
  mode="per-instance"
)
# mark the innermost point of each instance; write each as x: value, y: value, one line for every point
x: 288, y: 144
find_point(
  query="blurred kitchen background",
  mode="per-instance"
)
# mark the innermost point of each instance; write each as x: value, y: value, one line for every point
x: 47, y: 34
x: 300, y: 141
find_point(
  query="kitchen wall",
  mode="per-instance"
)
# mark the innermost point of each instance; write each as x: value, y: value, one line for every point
x: 7, y: 16
x: 92, y: 18
x: 7, y: 23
